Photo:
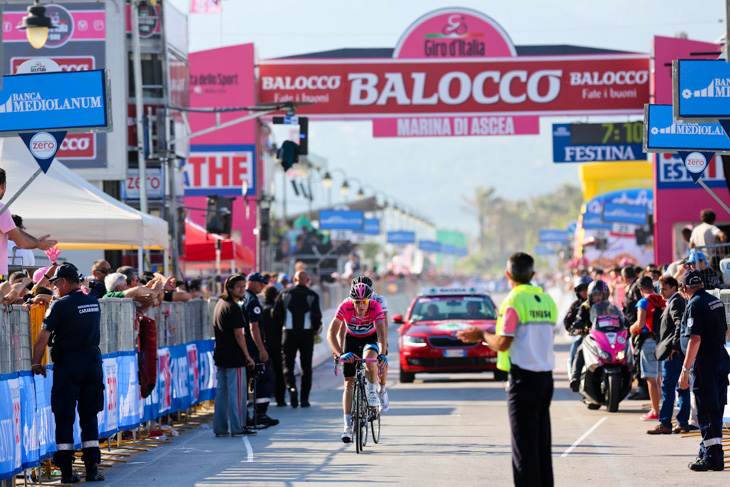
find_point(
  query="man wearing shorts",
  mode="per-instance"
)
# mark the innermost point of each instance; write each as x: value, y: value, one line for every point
x: 648, y: 305
x: 361, y: 320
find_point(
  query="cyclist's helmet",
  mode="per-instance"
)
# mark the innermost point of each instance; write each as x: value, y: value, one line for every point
x: 598, y: 286
x: 360, y: 291
x: 580, y: 283
x: 364, y: 280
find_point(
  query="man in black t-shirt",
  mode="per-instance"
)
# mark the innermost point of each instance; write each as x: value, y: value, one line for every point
x: 72, y: 327
x: 231, y: 357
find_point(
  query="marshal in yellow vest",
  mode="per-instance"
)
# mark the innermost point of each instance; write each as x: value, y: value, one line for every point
x: 533, y: 307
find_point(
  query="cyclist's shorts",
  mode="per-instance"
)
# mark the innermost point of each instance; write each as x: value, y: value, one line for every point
x: 355, y: 345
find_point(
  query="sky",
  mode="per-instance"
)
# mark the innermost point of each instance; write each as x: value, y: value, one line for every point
x: 433, y: 175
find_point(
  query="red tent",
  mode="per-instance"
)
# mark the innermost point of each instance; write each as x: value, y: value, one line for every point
x: 200, y: 247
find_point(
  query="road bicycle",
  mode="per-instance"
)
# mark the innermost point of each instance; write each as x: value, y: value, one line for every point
x: 362, y: 414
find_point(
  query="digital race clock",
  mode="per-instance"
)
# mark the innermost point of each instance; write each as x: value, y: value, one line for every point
x: 606, y: 133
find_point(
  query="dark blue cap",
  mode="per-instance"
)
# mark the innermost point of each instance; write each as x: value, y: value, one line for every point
x: 66, y: 271
x: 257, y: 277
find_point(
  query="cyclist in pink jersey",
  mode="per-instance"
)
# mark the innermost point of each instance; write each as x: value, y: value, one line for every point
x: 362, y: 322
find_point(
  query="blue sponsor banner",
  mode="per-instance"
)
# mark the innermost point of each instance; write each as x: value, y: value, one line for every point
x: 27, y: 427
x: 75, y: 101
x: 564, y: 151
x: 595, y: 221
x: 448, y: 249
x: 372, y: 227
x: 622, y: 213
x: 544, y: 250
x: 402, y: 237
x: 553, y: 236
x: 671, y: 173
x: 663, y: 134
x: 702, y: 89
x: 461, y: 252
x: 341, y: 220
x: 429, y: 246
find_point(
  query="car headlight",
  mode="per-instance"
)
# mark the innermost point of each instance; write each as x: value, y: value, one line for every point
x: 414, y: 341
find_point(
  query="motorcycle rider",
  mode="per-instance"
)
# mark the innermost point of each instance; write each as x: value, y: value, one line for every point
x: 598, y: 293
x: 580, y: 286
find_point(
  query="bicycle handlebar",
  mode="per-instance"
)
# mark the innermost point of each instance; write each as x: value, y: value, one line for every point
x: 358, y: 359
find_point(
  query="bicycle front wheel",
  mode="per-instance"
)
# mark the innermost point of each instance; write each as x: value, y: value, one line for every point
x: 363, y: 416
x: 356, y: 419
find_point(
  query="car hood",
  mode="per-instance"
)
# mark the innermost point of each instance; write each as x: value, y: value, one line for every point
x: 447, y: 327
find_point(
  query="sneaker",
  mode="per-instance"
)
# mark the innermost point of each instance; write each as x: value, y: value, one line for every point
x: 347, y: 435
x: 384, y: 403
x: 649, y: 417
x: 373, y: 400
x: 702, y: 465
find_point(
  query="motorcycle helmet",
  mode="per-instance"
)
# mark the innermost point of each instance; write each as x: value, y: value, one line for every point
x: 598, y: 287
x: 580, y: 283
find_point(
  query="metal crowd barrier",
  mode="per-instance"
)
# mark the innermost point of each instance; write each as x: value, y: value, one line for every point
x: 15, y: 339
x: 716, y: 274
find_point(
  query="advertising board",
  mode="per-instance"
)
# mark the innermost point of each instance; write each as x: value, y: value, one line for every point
x: 598, y: 142
x: 401, y: 237
x: 85, y: 36
x: 701, y: 89
x: 341, y: 220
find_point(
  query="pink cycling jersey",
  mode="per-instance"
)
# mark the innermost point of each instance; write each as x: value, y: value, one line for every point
x: 356, y: 326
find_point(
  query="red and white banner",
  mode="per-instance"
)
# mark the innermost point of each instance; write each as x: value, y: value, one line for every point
x: 205, y: 6
x: 539, y: 85
x: 455, y: 126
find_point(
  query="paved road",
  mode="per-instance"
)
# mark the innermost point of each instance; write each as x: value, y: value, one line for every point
x: 441, y: 430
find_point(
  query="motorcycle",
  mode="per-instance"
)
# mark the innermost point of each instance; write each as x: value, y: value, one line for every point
x: 607, y: 373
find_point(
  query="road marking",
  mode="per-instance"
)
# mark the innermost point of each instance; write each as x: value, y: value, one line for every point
x: 585, y: 435
x: 250, y: 450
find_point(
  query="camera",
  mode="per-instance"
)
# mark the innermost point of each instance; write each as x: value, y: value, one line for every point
x: 259, y: 368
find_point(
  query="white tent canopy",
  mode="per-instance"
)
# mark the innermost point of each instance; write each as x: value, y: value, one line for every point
x: 71, y: 210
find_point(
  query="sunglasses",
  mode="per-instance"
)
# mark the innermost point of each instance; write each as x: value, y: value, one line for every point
x: 103, y: 271
x: 360, y: 301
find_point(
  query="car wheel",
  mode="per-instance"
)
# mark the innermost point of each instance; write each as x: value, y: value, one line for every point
x: 501, y: 375
x: 407, y: 377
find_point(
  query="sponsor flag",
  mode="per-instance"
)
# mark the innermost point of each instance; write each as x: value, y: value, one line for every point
x: 205, y: 6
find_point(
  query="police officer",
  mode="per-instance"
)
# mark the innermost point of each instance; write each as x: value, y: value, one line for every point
x: 704, y: 332
x: 72, y: 325
x: 524, y: 344
x: 256, y: 283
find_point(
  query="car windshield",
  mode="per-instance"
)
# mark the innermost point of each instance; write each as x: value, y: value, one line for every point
x: 434, y: 308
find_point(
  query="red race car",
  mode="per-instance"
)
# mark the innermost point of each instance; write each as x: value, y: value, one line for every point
x: 427, y: 338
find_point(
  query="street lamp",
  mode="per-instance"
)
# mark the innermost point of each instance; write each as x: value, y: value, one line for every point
x: 327, y: 180
x: 36, y: 25
x: 345, y: 188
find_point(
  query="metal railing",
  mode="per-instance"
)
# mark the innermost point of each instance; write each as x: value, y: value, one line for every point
x: 15, y: 339
x: 716, y: 266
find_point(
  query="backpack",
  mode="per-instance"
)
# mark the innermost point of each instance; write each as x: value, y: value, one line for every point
x: 657, y: 319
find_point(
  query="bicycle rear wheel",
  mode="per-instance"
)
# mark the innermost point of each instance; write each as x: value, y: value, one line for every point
x: 375, y: 426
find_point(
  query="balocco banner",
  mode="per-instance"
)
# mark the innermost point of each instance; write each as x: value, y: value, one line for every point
x: 537, y: 86
x: 455, y: 62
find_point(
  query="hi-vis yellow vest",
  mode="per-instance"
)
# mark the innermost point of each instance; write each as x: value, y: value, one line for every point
x: 533, y: 307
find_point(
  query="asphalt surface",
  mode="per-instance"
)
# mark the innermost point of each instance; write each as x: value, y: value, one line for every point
x: 440, y: 430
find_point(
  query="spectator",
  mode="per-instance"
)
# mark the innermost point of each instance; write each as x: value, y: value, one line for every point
x: 646, y: 309
x: 99, y: 269
x: 283, y: 281
x: 711, y: 278
x: 130, y: 274
x: 17, y: 256
x: 117, y: 287
x: 632, y: 295
x: 297, y: 311
x: 351, y: 267
x: 669, y: 353
x: 706, y: 233
x: 703, y: 337
x: 195, y: 288
x: 272, y: 340
x: 255, y: 341
x: 231, y: 357
x: 283, y: 251
x: 9, y: 231
x: 684, y: 247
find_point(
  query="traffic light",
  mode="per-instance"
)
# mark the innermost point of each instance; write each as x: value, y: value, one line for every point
x: 218, y: 215
x: 288, y: 154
